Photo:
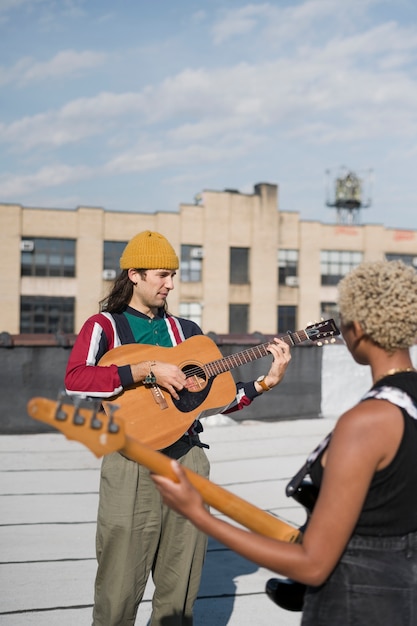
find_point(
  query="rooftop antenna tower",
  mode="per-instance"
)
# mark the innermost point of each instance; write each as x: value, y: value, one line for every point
x: 348, y: 194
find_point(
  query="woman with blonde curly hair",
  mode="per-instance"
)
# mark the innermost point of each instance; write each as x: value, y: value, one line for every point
x: 358, y: 556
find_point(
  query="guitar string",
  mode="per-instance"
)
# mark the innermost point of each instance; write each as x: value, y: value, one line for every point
x: 242, y: 358
x: 246, y: 356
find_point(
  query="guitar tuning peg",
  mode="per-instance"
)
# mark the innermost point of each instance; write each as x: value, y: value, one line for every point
x: 95, y: 423
x: 77, y: 418
x: 319, y: 343
x: 113, y: 427
x: 59, y: 412
x: 110, y: 410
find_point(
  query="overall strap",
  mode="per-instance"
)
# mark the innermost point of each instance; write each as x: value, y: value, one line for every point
x: 124, y: 331
x: 111, y: 330
x: 395, y: 396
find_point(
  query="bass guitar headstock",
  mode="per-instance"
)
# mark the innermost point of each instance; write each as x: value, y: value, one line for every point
x: 80, y: 420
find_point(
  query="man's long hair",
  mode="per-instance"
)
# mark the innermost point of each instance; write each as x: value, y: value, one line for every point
x: 121, y: 293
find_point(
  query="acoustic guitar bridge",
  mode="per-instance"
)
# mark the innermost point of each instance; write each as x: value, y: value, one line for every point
x: 159, y: 396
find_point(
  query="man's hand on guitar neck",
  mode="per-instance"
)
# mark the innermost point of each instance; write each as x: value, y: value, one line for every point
x: 166, y: 375
x: 281, y: 357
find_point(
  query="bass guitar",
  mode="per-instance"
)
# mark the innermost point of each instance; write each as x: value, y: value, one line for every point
x: 287, y: 593
x: 154, y: 417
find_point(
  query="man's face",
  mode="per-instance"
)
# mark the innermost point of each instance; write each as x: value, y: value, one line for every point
x: 152, y: 289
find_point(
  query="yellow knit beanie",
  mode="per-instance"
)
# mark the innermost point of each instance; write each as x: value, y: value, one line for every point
x: 149, y: 251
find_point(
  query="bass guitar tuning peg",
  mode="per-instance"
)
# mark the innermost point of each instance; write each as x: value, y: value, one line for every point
x: 110, y: 410
x: 95, y: 422
x: 59, y: 412
x: 77, y: 418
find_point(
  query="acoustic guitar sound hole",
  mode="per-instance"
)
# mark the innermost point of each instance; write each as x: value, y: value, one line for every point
x: 196, y: 377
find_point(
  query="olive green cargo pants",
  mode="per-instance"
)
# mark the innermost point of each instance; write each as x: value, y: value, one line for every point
x: 138, y: 535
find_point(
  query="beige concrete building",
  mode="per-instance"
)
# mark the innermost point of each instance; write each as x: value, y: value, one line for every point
x: 246, y: 266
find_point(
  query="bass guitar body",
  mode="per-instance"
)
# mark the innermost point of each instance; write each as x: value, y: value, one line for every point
x: 287, y: 593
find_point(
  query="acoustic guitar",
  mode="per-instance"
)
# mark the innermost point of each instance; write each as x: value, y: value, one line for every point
x: 153, y: 417
x: 103, y: 434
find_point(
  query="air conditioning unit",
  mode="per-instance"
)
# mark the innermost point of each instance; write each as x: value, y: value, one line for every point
x: 109, y: 274
x: 291, y: 281
x: 27, y: 246
x: 197, y: 253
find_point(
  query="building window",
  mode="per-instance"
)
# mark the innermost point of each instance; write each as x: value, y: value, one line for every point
x: 112, y: 251
x: 192, y: 311
x: 287, y: 318
x: 334, y: 264
x: 47, y: 257
x: 239, y: 266
x: 288, y: 267
x: 44, y: 314
x: 191, y: 264
x: 408, y: 259
x: 238, y: 319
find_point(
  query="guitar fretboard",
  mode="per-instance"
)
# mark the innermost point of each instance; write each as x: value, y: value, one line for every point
x: 250, y: 354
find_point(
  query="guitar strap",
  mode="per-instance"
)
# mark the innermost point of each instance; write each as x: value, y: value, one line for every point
x: 393, y: 394
x: 296, y: 481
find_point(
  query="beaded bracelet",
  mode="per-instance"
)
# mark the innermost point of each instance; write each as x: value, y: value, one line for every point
x: 150, y: 378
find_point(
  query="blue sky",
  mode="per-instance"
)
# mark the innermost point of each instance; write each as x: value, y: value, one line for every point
x: 138, y: 105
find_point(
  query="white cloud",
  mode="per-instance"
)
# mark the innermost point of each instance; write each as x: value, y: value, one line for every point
x: 289, y: 23
x: 46, y: 177
x: 317, y: 77
x: 63, y: 65
x: 240, y: 21
x: 139, y: 160
x: 343, y: 87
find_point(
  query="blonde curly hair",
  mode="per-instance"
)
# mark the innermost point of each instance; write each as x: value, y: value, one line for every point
x: 382, y: 296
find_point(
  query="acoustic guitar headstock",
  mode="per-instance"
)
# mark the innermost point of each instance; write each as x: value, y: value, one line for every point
x: 322, y: 332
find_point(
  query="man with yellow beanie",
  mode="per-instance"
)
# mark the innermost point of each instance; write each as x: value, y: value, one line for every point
x: 136, y: 534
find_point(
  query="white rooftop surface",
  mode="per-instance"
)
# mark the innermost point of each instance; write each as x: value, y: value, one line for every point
x: 48, y: 504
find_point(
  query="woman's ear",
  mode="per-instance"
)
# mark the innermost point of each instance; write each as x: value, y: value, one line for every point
x: 358, y: 330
